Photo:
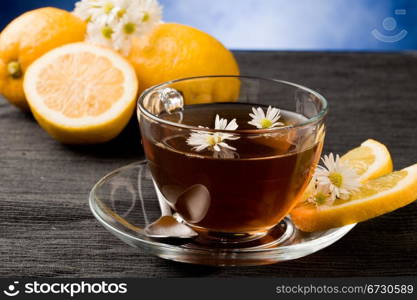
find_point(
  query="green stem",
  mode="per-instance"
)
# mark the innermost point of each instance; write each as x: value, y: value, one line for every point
x: 14, y: 69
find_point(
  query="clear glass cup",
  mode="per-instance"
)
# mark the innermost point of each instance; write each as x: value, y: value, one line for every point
x: 245, y: 189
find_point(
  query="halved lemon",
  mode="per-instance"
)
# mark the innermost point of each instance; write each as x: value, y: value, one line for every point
x: 375, y: 197
x: 80, y: 93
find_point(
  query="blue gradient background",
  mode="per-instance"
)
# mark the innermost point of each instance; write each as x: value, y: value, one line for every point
x: 278, y: 24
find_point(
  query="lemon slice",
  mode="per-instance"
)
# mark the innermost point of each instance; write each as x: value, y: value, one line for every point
x: 370, y: 160
x: 80, y: 93
x: 375, y: 197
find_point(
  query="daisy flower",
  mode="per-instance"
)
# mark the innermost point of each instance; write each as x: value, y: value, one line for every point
x: 214, y: 141
x: 113, y: 23
x: 321, y: 195
x: 100, y: 34
x: 151, y: 14
x: 262, y: 121
x: 341, y: 179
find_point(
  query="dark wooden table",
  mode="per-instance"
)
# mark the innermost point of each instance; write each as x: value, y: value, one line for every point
x: 46, y: 228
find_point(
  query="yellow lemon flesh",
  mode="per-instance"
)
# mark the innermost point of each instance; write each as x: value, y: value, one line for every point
x: 28, y: 37
x: 370, y: 160
x: 81, y: 93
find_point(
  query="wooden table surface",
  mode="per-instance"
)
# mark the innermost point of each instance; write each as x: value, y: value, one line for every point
x: 47, y: 229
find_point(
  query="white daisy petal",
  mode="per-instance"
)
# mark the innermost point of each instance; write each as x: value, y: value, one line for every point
x: 224, y: 145
x: 232, y: 125
x: 200, y: 148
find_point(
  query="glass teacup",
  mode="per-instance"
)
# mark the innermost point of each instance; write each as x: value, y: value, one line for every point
x: 232, y: 184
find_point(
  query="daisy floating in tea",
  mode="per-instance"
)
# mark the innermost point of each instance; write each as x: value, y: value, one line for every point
x: 268, y: 120
x: 201, y: 140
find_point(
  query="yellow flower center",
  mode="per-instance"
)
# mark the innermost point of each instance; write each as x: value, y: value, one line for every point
x: 336, y: 179
x: 121, y: 13
x: 213, y: 140
x: 265, y: 123
x: 106, y: 31
x: 145, y: 17
x: 129, y: 28
x: 108, y: 7
x: 320, y: 198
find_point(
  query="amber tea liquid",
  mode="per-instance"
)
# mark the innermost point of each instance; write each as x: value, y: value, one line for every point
x: 246, y: 191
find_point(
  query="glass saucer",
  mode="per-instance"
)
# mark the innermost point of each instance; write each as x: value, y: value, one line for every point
x: 125, y: 201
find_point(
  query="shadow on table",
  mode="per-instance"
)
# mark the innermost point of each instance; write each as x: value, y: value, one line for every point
x: 126, y: 145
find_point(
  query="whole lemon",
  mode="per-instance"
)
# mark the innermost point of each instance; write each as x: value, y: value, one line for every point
x: 172, y: 51
x: 28, y: 37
